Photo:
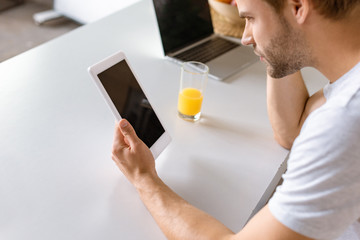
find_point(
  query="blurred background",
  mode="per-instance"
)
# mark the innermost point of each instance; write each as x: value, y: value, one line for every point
x: 25, y: 24
x: 19, y: 30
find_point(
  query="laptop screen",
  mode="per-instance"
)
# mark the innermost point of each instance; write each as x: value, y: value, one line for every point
x: 182, y: 22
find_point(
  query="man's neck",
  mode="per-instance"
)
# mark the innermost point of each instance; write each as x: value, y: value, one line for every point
x: 336, y: 47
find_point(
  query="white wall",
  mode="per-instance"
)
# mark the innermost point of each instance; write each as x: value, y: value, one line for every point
x: 85, y: 11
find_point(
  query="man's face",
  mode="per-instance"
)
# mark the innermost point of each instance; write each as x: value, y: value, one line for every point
x: 279, y: 45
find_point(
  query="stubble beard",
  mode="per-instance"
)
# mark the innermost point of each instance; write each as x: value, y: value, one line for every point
x: 287, y: 53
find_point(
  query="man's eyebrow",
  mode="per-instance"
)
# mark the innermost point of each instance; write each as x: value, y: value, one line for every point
x: 244, y: 14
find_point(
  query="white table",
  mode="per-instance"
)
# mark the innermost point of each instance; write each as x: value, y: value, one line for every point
x: 57, y: 180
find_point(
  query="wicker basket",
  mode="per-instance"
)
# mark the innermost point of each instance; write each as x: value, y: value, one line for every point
x: 224, y: 26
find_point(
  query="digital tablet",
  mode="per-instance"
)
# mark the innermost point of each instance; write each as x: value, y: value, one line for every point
x: 124, y: 95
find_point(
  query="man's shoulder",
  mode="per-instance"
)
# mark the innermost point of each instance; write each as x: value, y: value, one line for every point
x: 335, y: 117
x: 332, y: 127
x: 345, y: 90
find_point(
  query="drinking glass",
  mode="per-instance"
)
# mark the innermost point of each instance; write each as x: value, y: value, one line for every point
x: 193, y: 80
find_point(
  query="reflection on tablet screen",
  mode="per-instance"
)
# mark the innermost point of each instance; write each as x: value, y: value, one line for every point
x: 131, y: 102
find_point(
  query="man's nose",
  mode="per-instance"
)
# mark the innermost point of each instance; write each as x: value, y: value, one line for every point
x: 247, y: 38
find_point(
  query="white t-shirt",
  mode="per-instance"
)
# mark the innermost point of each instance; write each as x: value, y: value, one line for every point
x: 320, y: 195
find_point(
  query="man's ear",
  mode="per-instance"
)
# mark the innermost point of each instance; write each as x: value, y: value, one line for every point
x: 300, y: 10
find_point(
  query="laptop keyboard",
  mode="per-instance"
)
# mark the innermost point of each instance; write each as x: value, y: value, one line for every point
x: 207, y: 51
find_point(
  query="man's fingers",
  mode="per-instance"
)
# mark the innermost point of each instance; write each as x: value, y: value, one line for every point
x: 129, y: 133
x: 119, y: 141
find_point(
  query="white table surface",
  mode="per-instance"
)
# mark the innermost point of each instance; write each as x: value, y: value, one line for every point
x: 57, y: 179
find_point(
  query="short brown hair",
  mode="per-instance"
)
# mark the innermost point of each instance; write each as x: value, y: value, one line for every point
x: 332, y: 9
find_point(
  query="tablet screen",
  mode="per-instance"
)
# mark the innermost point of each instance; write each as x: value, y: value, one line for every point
x: 131, y: 102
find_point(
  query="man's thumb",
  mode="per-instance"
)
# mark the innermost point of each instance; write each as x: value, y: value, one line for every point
x: 128, y: 131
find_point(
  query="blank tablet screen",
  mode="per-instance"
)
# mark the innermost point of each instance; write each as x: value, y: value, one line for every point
x: 131, y: 102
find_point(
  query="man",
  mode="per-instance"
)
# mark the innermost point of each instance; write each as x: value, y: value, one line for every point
x: 320, y: 195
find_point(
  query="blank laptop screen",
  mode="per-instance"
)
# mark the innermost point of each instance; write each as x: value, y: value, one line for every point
x: 182, y: 22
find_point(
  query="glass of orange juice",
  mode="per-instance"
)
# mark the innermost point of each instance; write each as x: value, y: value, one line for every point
x: 194, y: 76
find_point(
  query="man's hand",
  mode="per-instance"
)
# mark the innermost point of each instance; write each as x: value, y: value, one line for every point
x: 131, y: 155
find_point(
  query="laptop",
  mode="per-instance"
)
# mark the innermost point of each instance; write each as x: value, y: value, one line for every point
x: 187, y: 34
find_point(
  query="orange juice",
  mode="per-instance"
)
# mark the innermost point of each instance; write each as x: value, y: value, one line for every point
x: 190, y: 100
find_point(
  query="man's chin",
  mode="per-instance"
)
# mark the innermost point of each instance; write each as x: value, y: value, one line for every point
x: 279, y: 73
x: 275, y: 73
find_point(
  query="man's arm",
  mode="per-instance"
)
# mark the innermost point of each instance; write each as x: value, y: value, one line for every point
x: 176, y: 217
x: 289, y: 105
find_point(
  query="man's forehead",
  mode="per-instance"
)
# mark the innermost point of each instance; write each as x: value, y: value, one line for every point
x: 251, y: 7
x: 247, y: 5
